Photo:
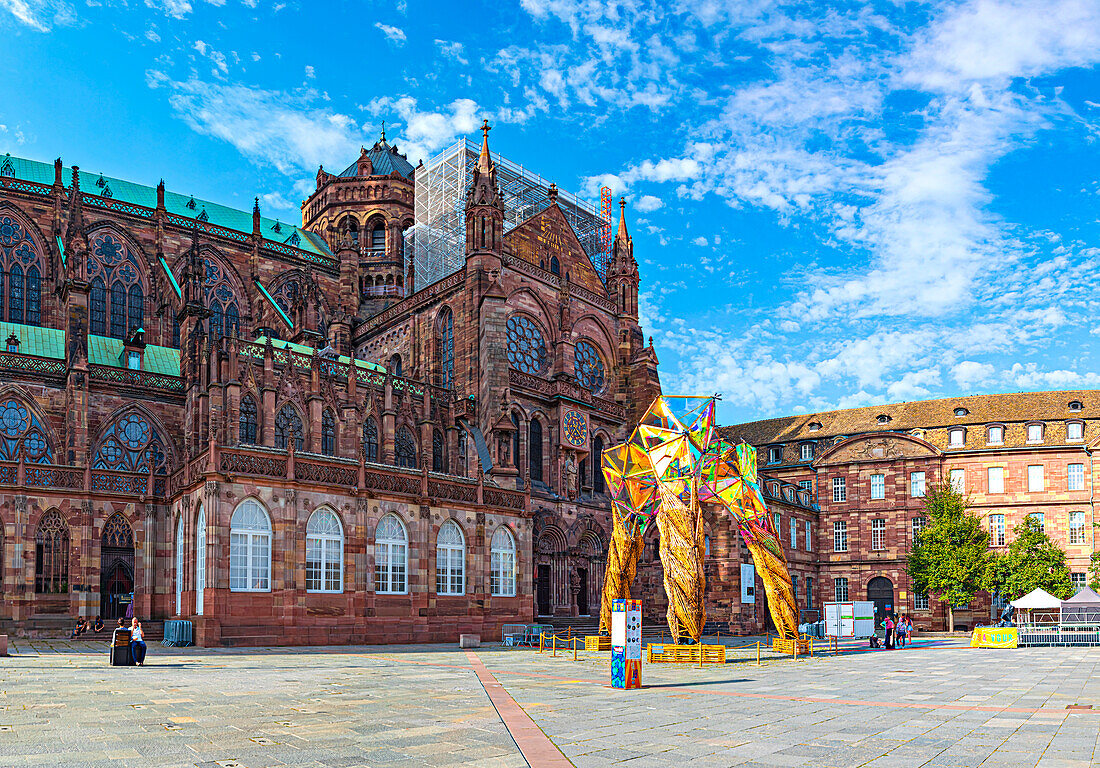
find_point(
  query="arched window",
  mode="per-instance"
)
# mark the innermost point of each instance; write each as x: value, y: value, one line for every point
x: 179, y: 566
x: 588, y: 366
x: 221, y: 297
x: 526, y: 346
x: 439, y: 455
x: 112, y: 261
x: 445, y: 351
x: 378, y: 237
x: 216, y: 319
x: 131, y: 443
x: 597, y: 466
x: 20, y: 273
x: 98, y: 298
x: 175, y: 329
x: 404, y: 447
x: 395, y: 365
x: 135, y: 302
x: 22, y: 434
x: 200, y: 561
x: 51, y: 555
x: 324, y: 552
x: 391, y: 556
x: 248, y: 422
x: 515, y: 441
x: 328, y: 433
x: 250, y: 548
x: 288, y: 425
x: 502, y: 564
x: 554, y: 266
x: 450, y: 560
x: 534, y: 450
x: 370, y: 439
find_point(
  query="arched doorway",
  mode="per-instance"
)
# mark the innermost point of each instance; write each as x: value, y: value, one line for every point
x: 880, y: 591
x: 116, y: 568
x: 590, y: 573
x: 551, y: 574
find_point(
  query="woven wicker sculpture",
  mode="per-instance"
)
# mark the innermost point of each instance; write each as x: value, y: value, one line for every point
x: 670, y: 468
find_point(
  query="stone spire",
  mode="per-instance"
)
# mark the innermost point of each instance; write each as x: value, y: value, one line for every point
x: 484, y: 204
x: 484, y: 162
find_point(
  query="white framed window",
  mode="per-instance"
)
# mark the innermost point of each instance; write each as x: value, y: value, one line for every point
x: 840, y: 489
x: 794, y: 588
x: 1075, y: 477
x: 450, y: 560
x: 200, y: 561
x: 777, y: 519
x: 806, y: 485
x: 1035, y: 480
x: 995, y: 435
x: 1035, y: 433
x: 920, y: 601
x: 179, y: 566
x: 997, y: 530
x: 502, y: 563
x: 775, y: 454
x: 133, y: 360
x: 958, y: 480
x: 807, y: 451
x: 1076, y: 527
x: 1040, y: 519
x: 956, y: 438
x: 794, y: 533
x: 1075, y: 430
x: 917, y: 484
x: 809, y: 538
x: 324, y: 552
x: 840, y: 589
x: 840, y: 536
x: 249, y: 548
x: 391, y: 556
x: 1078, y: 580
x: 918, y: 524
x: 878, y: 486
x: 995, y: 477
x: 878, y: 534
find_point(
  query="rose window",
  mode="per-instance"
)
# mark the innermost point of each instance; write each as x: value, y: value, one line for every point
x: 588, y: 367
x: 526, y: 348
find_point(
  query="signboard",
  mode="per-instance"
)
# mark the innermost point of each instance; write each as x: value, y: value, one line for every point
x: 853, y: 619
x: 626, y: 644
x: 748, y: 583
x: 994, y: 637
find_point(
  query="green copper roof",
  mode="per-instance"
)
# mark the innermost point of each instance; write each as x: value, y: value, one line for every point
x: 43, y: 342
x: 175, y: 203
x: 302, y: 349
x: 274, y: 303
x: 384, y: 160
x: 107, y: 351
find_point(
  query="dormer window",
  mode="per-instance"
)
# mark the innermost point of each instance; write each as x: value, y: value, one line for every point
x: 1075, y: 430
x: 133, y: 350
x: 814, y: 426
x: 919, y: 433
x: 1076, y: 405
x: 960, y: 412
x: 133, y: 360
x: 996, y: 435
x: 191, y: 204
x: 1035, y: 433
x: 13, y: 344
x: 807, y: 451
x: 882, y: 418
x: 956, y: 438
x: 775, y: 454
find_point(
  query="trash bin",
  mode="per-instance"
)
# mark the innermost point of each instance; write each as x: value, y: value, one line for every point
x: 120, y: 649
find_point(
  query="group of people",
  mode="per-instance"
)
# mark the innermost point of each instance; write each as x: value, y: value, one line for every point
x: 899, y: 632
x: 137, y: 635
x: 83, y: 626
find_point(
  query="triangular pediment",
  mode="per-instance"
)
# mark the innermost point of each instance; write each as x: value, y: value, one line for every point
x: 548, y: 234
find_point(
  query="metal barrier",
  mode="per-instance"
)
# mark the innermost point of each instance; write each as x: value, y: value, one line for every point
x: 177, y: 634
x: 1037, y: 637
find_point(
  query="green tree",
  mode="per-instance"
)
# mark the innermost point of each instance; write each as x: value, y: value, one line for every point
x: 950, y: 556
x: 1094, y: 571
x: 1032, y: 561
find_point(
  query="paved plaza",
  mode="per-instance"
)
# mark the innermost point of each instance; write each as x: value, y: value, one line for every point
x: 940, y: 704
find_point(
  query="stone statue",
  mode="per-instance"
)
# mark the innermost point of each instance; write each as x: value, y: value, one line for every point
x: 569, y: 472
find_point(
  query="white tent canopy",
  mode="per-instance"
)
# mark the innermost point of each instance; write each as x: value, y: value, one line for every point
x: 1037, y: 599
x: 1082, y: 608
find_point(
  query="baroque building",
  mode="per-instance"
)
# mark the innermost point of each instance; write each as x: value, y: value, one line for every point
x: 273, y: 431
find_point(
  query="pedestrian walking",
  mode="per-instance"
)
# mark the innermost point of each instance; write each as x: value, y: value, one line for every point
x: 137, y: 643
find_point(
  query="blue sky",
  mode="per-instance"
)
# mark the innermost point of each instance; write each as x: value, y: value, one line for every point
x: 833, y: 204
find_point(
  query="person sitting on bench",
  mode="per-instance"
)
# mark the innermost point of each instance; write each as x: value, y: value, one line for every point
x: 137, y: 643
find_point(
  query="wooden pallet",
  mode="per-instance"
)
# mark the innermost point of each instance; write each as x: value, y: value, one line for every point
x: 597, y: 643
x: 685, y: 654
x: 779, y: 645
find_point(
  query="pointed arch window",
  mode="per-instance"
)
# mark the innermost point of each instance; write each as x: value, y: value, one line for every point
x: 370, y: 439
x: 450, y: 560
x: 439, y: 455
x: 98, y: 298
x: 179, y: 566
x: 288, y: 426
x: 250, y: 548
x: 20, y: 273
x: 534, y: 450
x: 555, y: 267
x: 328, y: 433
x: 175, y: 329
x: 221, y: 297
x: 21, y: 433
x: 131, y: 443
x: 391, y: 556
x: 405, y: 448
x: 445, y: 352
x: 324, y: 552
x: 395, y: 365
x: 597, y: 466
x: 502, y: 564
x: 515, y: 441
x: 247, y: 421
x: 51, y: 554
x: 588, y: 366
x: 114, y: 264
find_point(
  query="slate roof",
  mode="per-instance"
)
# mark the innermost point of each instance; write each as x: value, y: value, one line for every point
x: 187, y: 206
x: 384, y: 160
x: 107, y: 351
x: 43, y: 342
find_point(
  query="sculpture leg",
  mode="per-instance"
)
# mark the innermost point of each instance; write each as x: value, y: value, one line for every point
x: 622, y: 564
x: 682, y: 558
x: 777, y: 585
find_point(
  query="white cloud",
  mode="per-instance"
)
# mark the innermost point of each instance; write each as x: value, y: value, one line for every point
x: 39, y: 15
x: 700, y: 240
x: 648, y: 203
x: 310, y: 72
x: 176, y: 9
x: 393, y: 34
x: 452, y: 50
x: 277, y: 201
x: 152, y: 36
x: 970, y: 373
x: 426, y: 132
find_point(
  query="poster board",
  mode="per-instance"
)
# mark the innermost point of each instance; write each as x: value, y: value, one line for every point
x: 748, y: 584
x: 850, y: 619
x: 626, y: 643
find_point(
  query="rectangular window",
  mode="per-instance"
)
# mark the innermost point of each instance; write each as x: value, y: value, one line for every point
x: 1076, y: 477
x: 809, y: 592
x: 794, y: 588
x: 997, y: 530
x: 809, y: 540
x: 955, y: 438
x: 996, y: 479
x: 775, y: 455
x: 840, y: 536
x: 996, y: 435
x: 958, y: 480
x: 778, y: 520
x: 1035, y: 478
x: 133, y: 360
x: 1078, y: 580
x: 878, y: 534
x: 840, y: 489
x: 920, y: 601
x: 918, y: 526
x: 1040, y: 520
x: 1075, y: 430
x: 1076, y: 527
x: 794, y: 533
x: 807, y: 451
x: 878, y: 486
x: 840, y: 590
x: 389, y: 567
x: 806, y: 485
x: 502, y: 573
x: 916, y: 484
x: 1035, y: 433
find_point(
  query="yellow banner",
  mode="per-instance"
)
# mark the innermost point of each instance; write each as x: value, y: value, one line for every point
x: 994, y: 637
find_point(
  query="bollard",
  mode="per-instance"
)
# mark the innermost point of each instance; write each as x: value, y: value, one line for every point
x: 796, y: 647
x: 758, y: 653
x: 574, y: 649
x: 700, y: 655
x: 554, y: 643
x: 542, y: 637
x: 811, y: 646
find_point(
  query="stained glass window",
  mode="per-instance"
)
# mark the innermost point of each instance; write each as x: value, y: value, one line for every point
x: 20, y: 273
x: 118, y: 533
x: 98, y: 298
x: 328, y: 434
x: 248, y: 420
x: 20, y: 431
x: 439, y: 463
x: 597, y: 464
x: 588, y: 367
x: 288, y: 424
x: 405, y: 448
x: 534, y: 449
x: 130, y: 443
x: 51, y: 554
x: 370, y: 439
x: 526, y: 347
x: 446, y: 349
x: 111, y: 262
x: 221, y: 298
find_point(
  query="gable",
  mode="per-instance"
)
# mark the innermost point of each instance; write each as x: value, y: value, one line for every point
x: 548, y: 234
x: 876, y: 448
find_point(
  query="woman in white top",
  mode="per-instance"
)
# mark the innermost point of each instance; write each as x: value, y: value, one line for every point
x: 137, y: 642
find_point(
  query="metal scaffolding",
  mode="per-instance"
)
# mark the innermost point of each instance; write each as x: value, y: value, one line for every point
x: 438, y: 239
